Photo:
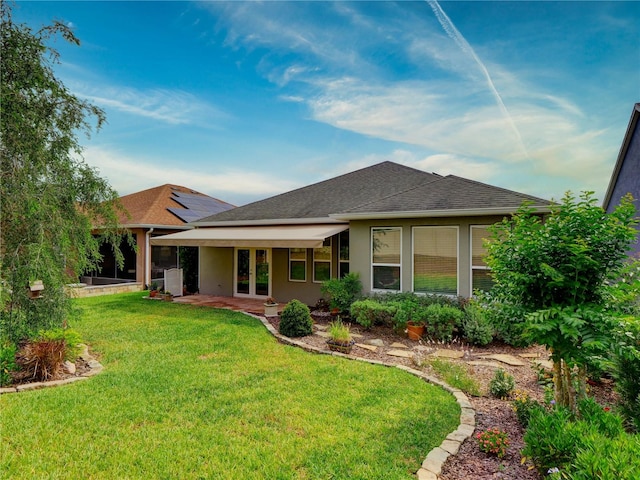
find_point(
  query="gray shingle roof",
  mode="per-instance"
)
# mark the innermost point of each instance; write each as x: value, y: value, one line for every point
x: 330, y: 196
x: 383, y: 188
x: 448, y: 193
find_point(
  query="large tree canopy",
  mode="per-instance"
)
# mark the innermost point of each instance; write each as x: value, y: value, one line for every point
x: 51, y: 199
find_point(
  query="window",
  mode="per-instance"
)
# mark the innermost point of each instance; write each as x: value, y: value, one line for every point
x: 435, y: 260
x: 480, y: 273
x: 386, y: 243
x: 322, y: 262
x: 297, y: 264
x: 343, y: 246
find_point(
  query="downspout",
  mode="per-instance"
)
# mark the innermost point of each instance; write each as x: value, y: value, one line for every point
x: 147, y: 257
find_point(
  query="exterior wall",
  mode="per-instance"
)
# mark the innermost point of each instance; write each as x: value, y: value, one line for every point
x: 628, y: 180
x: 360, y: 247
x: 140, y: 236
x: 284, y: 290
x: 216, y: 271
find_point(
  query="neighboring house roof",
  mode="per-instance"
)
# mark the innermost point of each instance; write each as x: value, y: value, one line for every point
x: 385, y: 189
x: 168, y: 205
x: 626, y: 173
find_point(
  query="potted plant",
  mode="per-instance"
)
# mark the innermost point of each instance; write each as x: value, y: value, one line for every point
x: 410, y: 315
x: 340, y: 337
x: 153, y: 289
x: 168, y: 297
x: 270, y: 307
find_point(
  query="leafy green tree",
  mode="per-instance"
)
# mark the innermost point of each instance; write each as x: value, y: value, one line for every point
x: 51, y: 199
x: 557, y: 272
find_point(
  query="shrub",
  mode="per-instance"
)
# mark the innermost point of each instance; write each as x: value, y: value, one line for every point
x: 8, y: 363
x: 476, y: 326
x: 295, y: 320
x: 551, y: 438
x: 342, y: 292
x: 626, y: 370
x: 602, y: 457
x: 406, y: 311
x: 441, y: 321
x: 523, y: 405
x: 493, y: 441
x: 502, y: 384
x: 71, y: 338
x: 508, y: 320
x: 370, y: 312
x: 41, y: 359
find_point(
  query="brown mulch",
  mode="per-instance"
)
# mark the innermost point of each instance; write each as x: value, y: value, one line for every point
x: 470, y: 462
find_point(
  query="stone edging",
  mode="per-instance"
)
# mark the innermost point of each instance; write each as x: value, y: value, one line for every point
x: 95, y: 368
x: 432, y: 464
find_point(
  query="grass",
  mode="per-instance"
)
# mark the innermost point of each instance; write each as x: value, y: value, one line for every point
x: 456, y: 375
x: 192, y: 392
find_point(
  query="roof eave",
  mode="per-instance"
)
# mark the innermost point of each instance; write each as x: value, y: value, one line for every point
x: 463, y: 212
x: 633, y: 121
x: 267, y: 221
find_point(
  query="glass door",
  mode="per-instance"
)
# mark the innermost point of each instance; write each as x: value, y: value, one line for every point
x: 253, y: 276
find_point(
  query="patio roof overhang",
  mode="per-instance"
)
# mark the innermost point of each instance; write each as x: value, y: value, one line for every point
x: 282, y: 236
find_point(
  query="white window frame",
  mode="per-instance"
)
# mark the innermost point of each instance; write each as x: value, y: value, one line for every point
x: 472, y: 266
x: 413, y: 248
x: 306, y: 253
x: 323, y: 260
x: 373, y: 265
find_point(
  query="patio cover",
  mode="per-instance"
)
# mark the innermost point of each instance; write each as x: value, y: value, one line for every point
x: 283, y: 236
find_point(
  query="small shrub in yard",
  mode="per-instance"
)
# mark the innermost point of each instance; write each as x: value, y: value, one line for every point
x: 342, y: 292
x: 476, y: 326
x: 7, y: 362
x: 370, y: 312
x: 502, y: 384
x: 71, y: 338
x: 606, y: 458
x: 41, y: 359
x: 295, y: 320
x: 523, y: 405
x: 493, y: 441
x: 441, y: 321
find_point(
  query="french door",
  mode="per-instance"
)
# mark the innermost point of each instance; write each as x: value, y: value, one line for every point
x: 253, y: 276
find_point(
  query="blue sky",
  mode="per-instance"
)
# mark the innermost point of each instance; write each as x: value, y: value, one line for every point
x: 244, y: 100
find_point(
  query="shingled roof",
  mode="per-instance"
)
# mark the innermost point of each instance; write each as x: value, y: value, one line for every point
x: 337, y: 194
x: 385, y: 189
x: 168, y: 205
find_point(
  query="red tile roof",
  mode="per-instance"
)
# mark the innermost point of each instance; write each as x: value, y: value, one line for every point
x: 150, y: 207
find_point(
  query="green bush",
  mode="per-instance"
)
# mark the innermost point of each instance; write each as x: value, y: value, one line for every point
x: 556, y: 438
x: 7, y: 362
x: 502, y: 384
x: 295, y: 320
x: 606, y: 458
x: 71, y: 338
x: 476, y: 326
x: 406, y: 311
x: 626, y: 370
x: 342, y: 292
x: 441, y: 321
x: 523, y: 405
x: 370, y: 312
x: 551, y: 439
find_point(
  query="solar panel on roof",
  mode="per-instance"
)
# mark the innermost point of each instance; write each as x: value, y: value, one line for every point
x: 196, y: 206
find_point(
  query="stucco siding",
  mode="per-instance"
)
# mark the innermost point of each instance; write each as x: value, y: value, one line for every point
x: 216, y: 271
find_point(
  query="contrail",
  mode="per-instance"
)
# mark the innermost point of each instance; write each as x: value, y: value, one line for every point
x: 457, y: 37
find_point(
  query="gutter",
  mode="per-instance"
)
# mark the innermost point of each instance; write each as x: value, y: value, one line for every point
x: 270, y: 222
x: 463, y: 212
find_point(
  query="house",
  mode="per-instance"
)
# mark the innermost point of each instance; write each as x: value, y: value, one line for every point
x: 153, y: 212
x: 400, y: 228
x: 626, y: 173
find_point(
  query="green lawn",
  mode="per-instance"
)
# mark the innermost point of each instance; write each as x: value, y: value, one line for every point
x: 193, y: 393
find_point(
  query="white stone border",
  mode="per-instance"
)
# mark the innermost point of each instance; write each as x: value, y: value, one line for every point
x: 95, y: 368
x: 432, y: 464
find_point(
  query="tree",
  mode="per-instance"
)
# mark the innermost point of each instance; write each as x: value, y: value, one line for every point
x: 51, y: 199
x: 557, y: 273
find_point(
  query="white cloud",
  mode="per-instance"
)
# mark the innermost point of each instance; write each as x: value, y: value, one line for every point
x: 128, y: 174
x: 174, y: 107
